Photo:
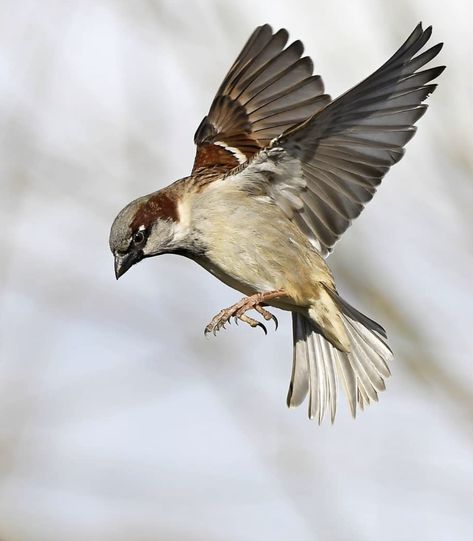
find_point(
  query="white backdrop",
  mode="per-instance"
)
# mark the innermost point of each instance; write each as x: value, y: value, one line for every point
x: 118, y: 420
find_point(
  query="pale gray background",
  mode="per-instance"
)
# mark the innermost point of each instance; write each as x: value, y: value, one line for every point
x: 118, y: 420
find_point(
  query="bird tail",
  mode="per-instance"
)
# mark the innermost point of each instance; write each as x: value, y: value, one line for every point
x: 318, y: 366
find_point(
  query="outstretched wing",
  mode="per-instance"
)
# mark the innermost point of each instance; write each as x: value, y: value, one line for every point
x: 268, y: 90
x: 323, y: 171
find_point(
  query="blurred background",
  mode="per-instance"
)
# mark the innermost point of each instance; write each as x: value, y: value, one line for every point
x: 118, y: 420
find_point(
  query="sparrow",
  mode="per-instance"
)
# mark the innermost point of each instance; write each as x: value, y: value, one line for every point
x: 280, y: 172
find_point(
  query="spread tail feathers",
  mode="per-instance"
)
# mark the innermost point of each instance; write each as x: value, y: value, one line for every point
x: 318, y: 366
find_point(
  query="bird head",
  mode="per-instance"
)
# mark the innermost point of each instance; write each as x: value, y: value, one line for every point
x: 144, y: 228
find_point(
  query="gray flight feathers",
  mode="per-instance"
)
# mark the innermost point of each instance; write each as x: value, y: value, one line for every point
x: 345, y: 150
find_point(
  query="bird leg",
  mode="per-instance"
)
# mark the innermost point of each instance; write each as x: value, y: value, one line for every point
x: 238, y: 311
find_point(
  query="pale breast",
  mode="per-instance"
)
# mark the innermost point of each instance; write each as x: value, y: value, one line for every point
x: 253, y: 247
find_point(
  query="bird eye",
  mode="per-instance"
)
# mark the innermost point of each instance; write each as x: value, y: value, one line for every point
x: 138, y: 237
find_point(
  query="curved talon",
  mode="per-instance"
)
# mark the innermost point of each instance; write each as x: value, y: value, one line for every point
x: 275, y: 319
x: 263, y: 327
x: 253, y: 322
x: 267, y: 315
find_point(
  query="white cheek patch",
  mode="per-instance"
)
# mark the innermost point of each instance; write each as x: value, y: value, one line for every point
x: 239, y: 155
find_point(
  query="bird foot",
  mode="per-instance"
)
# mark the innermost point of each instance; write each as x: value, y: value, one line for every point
x: 238, y: 312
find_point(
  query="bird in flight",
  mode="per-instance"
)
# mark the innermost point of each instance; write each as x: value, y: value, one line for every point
x: 280, y: 172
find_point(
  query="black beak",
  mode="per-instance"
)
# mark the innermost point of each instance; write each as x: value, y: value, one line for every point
x: 123, y: 262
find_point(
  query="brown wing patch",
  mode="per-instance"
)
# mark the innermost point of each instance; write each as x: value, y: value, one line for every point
x: 209, y: 155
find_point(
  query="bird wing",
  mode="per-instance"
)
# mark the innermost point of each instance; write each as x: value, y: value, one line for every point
x: 269, y: 89
x: 323, y: 171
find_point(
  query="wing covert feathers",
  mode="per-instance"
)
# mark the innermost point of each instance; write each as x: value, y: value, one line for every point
x: 269, y: 89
